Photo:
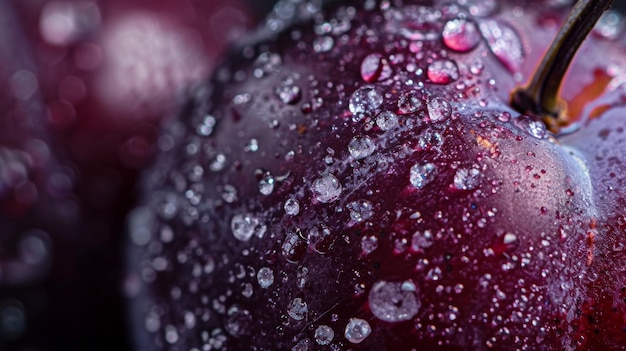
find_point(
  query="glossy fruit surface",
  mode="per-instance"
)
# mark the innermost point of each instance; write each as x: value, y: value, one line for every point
x: 358, y: 181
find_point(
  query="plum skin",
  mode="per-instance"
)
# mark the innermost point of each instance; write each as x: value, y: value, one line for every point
x: 512, y: 216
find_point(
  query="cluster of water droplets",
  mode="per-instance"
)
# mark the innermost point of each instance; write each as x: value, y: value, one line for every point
x: 373, y: 114
x: 244, y: 226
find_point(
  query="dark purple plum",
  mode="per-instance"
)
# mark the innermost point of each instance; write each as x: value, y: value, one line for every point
x: 359, y: 180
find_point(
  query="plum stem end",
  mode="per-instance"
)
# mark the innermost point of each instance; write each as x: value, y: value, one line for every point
x: 541, y: 96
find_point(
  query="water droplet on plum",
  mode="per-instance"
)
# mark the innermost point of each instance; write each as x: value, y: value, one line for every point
x: 461, y: 34
x: 357, y: 330
x: 265, y: 277
x: 386, y: 120
x: 466, y: 179
x: 421, y: 240
x: 480, y: 8
x: 292, y: 207
x: 361, y: 146
x: 531, y: 125
x: 266, y: 184
x: 205, y: 128
x: 375, y: 67
x: 364, y: 102
x: 243, y: 226
x: 298, y: 309
x: 324, y: 335
x: 414, y: 22
x: 443, y: 72
x: 409, y: 102
x: 504, y: 43
x: 368, y: 244
x: 288, y: 92
x: 360, y: 210
x: 266, y: 64
x: 294, y: 247
x: 393, y: 301
x: 422, y: 174
x: 438, y: 109
x: 610, y: 25
x: 326, y: 188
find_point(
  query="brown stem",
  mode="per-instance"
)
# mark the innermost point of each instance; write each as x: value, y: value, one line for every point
x: 541, y: 95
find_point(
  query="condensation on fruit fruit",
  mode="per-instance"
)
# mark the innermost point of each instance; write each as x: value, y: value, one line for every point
x: 504, y: 42
x: 393, y: 301
x: 364, y: 101
x: 443, y: 72
x: 361, y: 146
x: 461, y: 35
x: 357, y: 330
x: 364, y: 181
x: 327, y: 188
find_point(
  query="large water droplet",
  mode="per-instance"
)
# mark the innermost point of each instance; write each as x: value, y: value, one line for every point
x: 364, y: 102
x: 386, y: 120
x: 357, y: 330
x: 504, y: 42
x: 297, y: 309
x: 324, y: 335
x: 438, y: 109
x: 375, y: 67
x: 422, y: 174
x: 361, y: 146
x: 393, y: 301
x: 443, y: 72
x: 326, y: 188
x: 461, y: 35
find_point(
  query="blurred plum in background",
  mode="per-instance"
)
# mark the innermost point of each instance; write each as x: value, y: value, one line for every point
x: 84, y: 87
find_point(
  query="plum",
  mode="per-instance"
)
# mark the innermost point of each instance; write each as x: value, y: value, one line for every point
x: 359, y: 179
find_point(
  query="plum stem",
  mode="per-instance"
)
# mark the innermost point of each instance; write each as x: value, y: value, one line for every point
x: 541, y: 96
